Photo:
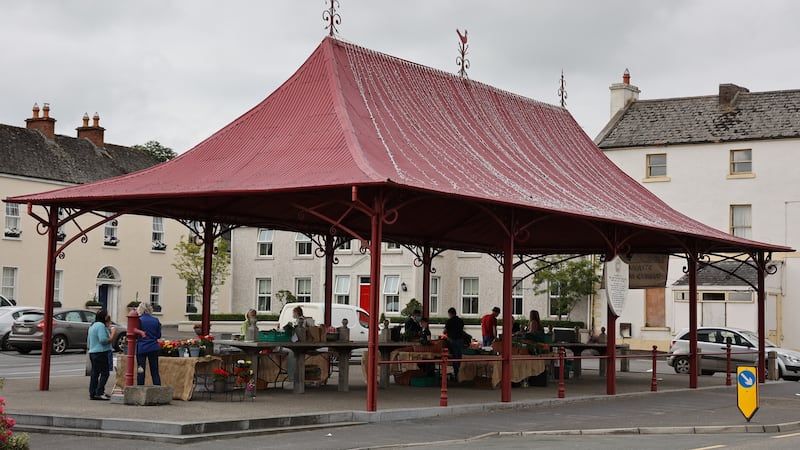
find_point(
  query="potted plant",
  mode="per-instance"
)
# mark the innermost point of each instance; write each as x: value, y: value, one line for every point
x: 93, y: 304
x: 158, y: 245
x: 220, y: 377
x: 133, y: 305
x: 56, y: 304
x: 60, y: 236
x: 191, y: 309
x: 157, y: 308
x: 111, y: 241
x: 12, y: 232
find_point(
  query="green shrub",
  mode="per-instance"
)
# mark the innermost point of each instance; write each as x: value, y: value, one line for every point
x: 233, y: 317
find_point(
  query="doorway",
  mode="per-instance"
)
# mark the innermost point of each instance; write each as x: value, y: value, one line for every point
x: 108, y: 286
x: 363, y: 293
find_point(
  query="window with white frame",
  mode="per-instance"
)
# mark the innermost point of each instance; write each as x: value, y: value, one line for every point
x: 9, y: 287
x: 469, y: 295
x: 61, y: 234
x: 110, y: 236
x: 58, y: 283
x: 657, y: 165
x: 13, y: 225
x: 741, y: 221
x: 341, y: 289
x: 433, y: 301
x: 303, y: 244
x: 715, y: 296
x: 264, y: 294
x: 264, y: 241
x: 741, y: 162
x: 155, y: 290
x: 554, y: 300
x: 158, y: 234
x: 344, y: 244
x: 393, y: 246
x: 303, y: 288
x: 191, y: 297
x: 516, y: 297
x: 391, y: 293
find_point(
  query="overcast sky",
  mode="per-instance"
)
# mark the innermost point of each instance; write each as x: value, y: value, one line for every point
x: 178, y: 71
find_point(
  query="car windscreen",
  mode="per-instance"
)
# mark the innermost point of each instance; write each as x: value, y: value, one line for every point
x: 752, y: 337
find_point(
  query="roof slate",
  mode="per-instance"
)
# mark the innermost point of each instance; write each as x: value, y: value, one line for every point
x: 718, y: 274
x: 27, y: 153
x: 694, y: 120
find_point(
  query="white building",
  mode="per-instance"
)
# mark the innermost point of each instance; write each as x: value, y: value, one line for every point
x: 125, y: 260
x: 726, y: 160
x: 266, y: 261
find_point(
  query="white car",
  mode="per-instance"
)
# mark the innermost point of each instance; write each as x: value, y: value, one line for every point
x: 714, y: 340
x: 7, y: 316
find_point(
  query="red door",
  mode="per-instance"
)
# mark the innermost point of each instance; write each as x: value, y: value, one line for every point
x: 363, y: 293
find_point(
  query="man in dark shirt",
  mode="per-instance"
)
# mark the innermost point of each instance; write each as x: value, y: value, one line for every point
x: 454, y: 329
x: 412, y: 327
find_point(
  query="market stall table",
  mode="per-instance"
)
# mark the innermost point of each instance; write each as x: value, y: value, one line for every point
x: 176, y: 372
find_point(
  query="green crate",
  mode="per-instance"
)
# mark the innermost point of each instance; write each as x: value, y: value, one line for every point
x: 273, y: 336
x: 423, y: 381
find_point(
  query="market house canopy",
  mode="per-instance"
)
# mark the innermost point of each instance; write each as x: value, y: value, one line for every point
x: 455, y: 162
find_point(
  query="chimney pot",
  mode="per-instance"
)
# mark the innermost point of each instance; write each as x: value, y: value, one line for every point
x: 85, y: 119
x: 45, y: 125
x: 95, y: 133
x: 46, y: 110
x: 623, y: 93
x: 626, y: 77
x: 96, y: 120
x: 728, y: 94
x: 35, y: 110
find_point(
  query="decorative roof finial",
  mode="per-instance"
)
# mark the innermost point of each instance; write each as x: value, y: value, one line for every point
x: 462, y: 60
x: 562, y: 90
x: 332, y: 17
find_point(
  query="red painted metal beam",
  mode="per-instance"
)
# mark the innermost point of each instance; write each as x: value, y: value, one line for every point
x: 762, y: 329
x: 208, y: 256
x: 508, y: 318
x: 374, y: 303
x: 611, y: 353
x: 692, y: 267
x: 329, y: 250
x: 49, y: 292
x: 427, y: 261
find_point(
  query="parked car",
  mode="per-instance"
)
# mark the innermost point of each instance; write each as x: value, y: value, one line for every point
x: 70, y: 330
x: 357, y: 318
x: 714, y: 340
x: 7, y: 301
x: 7, y: 316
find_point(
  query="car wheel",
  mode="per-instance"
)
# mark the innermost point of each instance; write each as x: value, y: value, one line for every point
x: 707, y: 372
x: 59, y: 344
x: 4, y: 342
x: 681, y: 365
x: 23, y: 350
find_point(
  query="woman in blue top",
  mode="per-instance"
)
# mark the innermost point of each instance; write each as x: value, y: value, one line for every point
x: 147, y: 348
x: 99, y: 343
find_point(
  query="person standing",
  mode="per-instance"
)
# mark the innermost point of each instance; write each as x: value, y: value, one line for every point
x: 99, y: 343
x: 412, y: 326
x: 489, y: 326
x: 454, y: 329
x: 147, y: 348
x: 249, y: 327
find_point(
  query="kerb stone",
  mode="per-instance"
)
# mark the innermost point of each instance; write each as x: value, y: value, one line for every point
x: 148, y: 395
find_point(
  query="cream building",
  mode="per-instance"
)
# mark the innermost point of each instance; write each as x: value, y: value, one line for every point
x: 125, y: 260
x: 726, y: 160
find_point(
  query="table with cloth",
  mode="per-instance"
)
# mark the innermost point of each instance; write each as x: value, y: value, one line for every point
x: 477, y: 366
x: 178, y: 373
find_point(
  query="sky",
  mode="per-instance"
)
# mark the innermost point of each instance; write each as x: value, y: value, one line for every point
x: 176, y: 71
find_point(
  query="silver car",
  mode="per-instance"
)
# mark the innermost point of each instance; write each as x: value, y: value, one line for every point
x: 744, y: 345
x: 8, y: 314
x: 70, y: 330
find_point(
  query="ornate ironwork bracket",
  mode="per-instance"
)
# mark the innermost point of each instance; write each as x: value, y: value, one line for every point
x: 332, y: 17
x: 321, y: 242
x: 198, y: 229
x: 709, y: 259
x: 420, y: 256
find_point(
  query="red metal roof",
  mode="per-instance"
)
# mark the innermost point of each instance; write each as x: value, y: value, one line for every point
x: 351, y: 116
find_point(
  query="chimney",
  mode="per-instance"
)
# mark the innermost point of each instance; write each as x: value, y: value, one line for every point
x: 94, y: 133
x: 728, y: 94
x: 623, y: 93
x: 45, y: 125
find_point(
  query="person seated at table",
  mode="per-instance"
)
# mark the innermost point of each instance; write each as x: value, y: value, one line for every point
x: 412, y: 327
x: 454, y: 329
x: 249, y: 327
x: 425, y: 331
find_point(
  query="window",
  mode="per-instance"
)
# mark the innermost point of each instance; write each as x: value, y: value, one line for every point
x: 191, y: 292
x: 554, y: 299
x: 391, y: 293
x: 110, y: 232
x: 13, y: 227
x: 155, y: 290
x: 58, y: 283
x: 741, y: 162
x: 61, y: 234
x: 303, y: 244
x: 516, y: 297
x: 741, y: 224
x: 740, y: 296
x: 263, y: 294
x: 716, y: 297
x: 264, y: 243
x: 434, y: 295
x: 158, y: 234
x: 469, y: 295
x: 341, y: 289
x: 303, y: 288
x: 657, y: 165
x: 9, y: 286
x: 393, y: 247
x: 713, y: 296
x: 344, y: 244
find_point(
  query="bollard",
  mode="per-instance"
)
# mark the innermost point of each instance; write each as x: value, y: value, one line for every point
x: 772, y: 365
x: 699, y: 357
x: 561, y: 353
x: 133, y: 327
x: 728, y: 363
x: 654, y: 381
x: 443, y: 395
x: 625, y: 363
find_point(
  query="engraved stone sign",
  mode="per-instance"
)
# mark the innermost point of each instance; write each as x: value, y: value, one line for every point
x: 616, y: 284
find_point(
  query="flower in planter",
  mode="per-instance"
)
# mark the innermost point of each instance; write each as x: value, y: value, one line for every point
x: 220, y: 374
x: 243, y: 371
x: 61, y: 236
x: 111, y: 240
x: 158, y: 245
x: 13, y: 232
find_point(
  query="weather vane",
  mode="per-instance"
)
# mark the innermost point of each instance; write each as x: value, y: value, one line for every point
x: 332, y: 17
x: 562, y: 90
x: 462, y: 60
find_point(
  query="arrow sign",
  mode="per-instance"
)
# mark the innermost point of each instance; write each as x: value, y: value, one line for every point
x: 747, y: 391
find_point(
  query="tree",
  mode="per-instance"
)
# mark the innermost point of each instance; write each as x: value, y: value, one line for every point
x: 412, y: 305
x: 567, y: 282
x: 189, y: 265
x: 285, y: 296
x: 156, y: 150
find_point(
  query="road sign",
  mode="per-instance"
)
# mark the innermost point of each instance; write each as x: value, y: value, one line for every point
x: 747, y: 391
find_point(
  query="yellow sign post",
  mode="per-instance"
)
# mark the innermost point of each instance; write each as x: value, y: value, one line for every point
x: 747, y: 391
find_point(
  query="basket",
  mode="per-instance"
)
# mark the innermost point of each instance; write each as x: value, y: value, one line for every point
x: 273, y: 336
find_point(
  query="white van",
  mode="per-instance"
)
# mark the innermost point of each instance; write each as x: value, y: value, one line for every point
x: 357, y: 318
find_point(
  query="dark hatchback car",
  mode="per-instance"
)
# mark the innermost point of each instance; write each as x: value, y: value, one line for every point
x: 70, y: 330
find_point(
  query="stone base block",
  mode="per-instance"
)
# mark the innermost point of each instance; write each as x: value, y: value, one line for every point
x: 148, y: 395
